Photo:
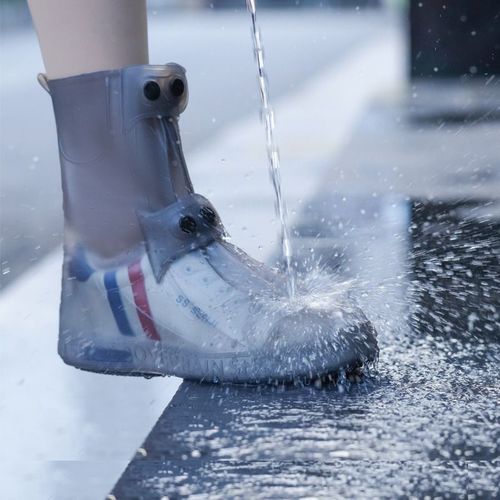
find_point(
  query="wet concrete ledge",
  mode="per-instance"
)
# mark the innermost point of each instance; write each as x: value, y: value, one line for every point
x: 426, y: 424
x: 230, y: 442
x: 423, y: 425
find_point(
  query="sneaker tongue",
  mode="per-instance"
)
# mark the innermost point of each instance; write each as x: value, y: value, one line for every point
x: 243, y: 272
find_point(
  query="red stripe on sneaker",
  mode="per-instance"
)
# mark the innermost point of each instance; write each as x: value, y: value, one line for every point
x: 141, y: 300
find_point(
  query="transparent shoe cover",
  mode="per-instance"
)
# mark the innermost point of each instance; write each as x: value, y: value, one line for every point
x: 150, y: 283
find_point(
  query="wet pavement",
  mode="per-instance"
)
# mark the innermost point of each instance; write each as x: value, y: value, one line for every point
x: 425, y: 266
x: 424, y: 423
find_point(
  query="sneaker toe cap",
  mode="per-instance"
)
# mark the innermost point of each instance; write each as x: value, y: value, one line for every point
x: 315, y: 343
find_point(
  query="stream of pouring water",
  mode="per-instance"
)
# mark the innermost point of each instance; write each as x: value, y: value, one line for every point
x: 267, y: 117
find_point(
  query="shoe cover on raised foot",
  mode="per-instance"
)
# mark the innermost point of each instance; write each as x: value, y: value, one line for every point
x: 217, y: 315
x: 150, y: 285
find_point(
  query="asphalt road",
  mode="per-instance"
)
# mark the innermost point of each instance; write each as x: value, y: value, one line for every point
x: 215, y: 48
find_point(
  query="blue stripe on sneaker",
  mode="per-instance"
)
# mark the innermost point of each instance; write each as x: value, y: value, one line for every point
x: 116, y: 304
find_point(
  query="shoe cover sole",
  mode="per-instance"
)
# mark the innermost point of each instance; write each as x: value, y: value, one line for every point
x: 149, y: 358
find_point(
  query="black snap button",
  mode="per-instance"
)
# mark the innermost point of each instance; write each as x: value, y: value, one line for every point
x: 177, y: 87
x: 187, y: 224
x: 209, y: 215
x: 152, y: 90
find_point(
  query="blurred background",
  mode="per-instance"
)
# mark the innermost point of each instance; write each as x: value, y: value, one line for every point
x: 15, y: 12
x: 211, y: 39
x: 454, y: 42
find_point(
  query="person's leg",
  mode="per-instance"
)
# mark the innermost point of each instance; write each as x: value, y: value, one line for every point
x: 83, y: 36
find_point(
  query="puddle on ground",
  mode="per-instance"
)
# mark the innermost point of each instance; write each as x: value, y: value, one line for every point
x: 425, y: 423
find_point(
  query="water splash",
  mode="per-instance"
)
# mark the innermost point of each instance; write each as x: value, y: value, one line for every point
x: 267, y: 117
x: 315, y: 290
